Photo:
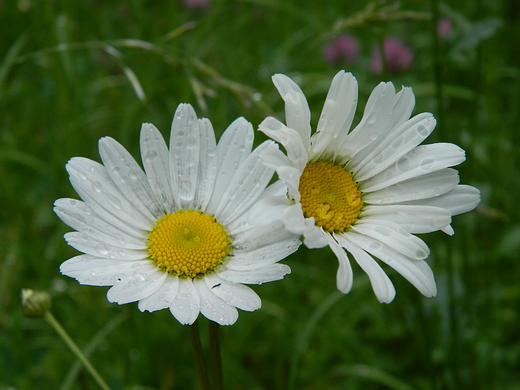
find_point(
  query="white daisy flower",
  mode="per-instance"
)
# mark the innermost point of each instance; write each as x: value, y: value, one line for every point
x: 176, y: 235
x: 367, y: 191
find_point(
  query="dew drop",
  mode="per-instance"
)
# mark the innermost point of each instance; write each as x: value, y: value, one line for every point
x: 192, y: 142
x: 96, y: 186
x: 151, y: 155
x: 185, y: 189
x: 374, y: 246
x: 73, y: 202
x: 212, y: 152
x: 427, y: 164
x: 422, y: 130
x: 403, y: 164
x: 114, y: 201
x: 437, y: 191
x: 371, y: 119
x: 82, y: 176
x: 102, y: 249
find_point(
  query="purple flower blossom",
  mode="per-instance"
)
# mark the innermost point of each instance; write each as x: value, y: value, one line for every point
x: 399, y: 57
x: 445, y: 28
x: 343, y: 49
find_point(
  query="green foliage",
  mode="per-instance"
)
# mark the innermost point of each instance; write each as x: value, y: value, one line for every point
x: 73, y: 72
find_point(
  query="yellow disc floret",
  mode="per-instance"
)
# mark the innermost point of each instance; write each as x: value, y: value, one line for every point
x: 188, y: 243
x: 329, y: 194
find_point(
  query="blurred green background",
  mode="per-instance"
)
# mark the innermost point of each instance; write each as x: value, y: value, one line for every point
x: 72, y: 72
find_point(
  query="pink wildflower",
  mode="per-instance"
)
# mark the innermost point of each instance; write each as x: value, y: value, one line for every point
x: 343, y: 49
x: 399, y: 57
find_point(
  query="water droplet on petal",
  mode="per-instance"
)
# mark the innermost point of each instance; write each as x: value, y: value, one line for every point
x: 427, y: 164
x: 102, y: 249
x: 151, y: 155
x: 422, y: 130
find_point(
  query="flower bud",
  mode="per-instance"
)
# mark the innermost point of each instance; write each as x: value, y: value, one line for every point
x: 35, y: 303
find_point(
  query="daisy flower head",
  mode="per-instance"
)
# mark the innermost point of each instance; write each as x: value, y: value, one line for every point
x: 176, y: 235
x: 364, y: 192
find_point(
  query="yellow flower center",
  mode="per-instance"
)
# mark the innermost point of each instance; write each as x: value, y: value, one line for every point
x: 188, y: 243
x: 329, y: 194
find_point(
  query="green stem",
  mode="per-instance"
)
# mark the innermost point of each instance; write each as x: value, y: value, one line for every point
x: 75, y: 349
x: 197, y: 354
x: 216, y: 361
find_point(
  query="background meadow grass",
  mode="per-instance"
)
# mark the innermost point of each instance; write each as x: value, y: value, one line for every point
x: 72, y: 72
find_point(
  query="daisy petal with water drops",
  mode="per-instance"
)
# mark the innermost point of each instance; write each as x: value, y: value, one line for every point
x: 365, y: 193
x: 177, y: 235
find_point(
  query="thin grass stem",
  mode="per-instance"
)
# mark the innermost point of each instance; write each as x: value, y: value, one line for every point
x: 215, y: 356
x: 197, y: 354
x: 75, y: 349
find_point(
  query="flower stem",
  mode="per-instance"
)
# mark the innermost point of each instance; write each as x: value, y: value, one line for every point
x: 214, y: 350
x: 75, y: 349
x: 197, y: 354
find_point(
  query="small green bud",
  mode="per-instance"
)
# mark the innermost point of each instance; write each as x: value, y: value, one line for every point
x: 35, y: 303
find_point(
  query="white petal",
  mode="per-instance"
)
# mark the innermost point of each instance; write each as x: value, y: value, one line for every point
x: 415, y: 219
x: 384, y: 110
x: 422, y: 187
x: 214, y: 308
x: 344, y: 276
x: 208, y: 161
x: 129, y: 177
x: 163, y: 297
x: 95, y: 271
x: 394, y: 236
x: 417, y: 272
x: 241, y: 260
x: 419, y: 161
x: 314, y: 236
x: 93, y: 184
x: 80, y: 217
x: 260, y: 236
x: 297, y: 112
x: 381, y: 283
x: 233, y: 148
x: 448, y: 230
x: 268, y: 210
x: 91, y: 246
x: 108, y: 222
x: 185, y: 146
x: 245, y: 188
x: 263, y: 275
x: 294, y: 220
x: 156, y: 162
x: 461, y: 199
x: 391, y: 147
x: 289, y: 138
x: 237, y: 295
x: 336, y: 117
x: 291, y: 177
x: 186, y: 305
x: 274, y: 158
x: 141, y: 284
